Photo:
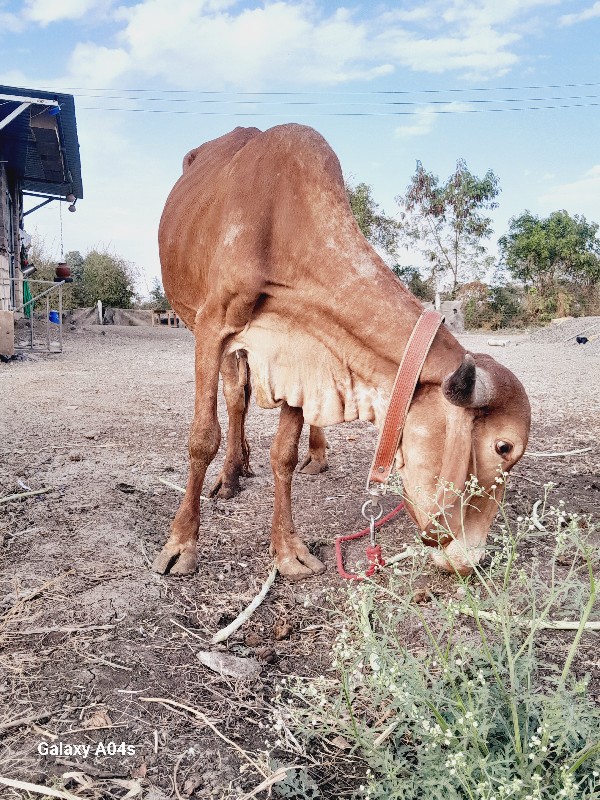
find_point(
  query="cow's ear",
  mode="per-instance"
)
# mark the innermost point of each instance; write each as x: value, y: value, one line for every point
x: 469, y: 386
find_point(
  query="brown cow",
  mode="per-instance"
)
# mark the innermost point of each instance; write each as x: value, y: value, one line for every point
x: 260, y: 253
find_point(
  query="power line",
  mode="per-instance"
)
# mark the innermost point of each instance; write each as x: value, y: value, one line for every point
x: 341, y: 113
x: 340, y: 102
x: 336, y: 92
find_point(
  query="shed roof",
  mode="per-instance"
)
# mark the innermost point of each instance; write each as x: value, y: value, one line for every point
x: 39, y: 148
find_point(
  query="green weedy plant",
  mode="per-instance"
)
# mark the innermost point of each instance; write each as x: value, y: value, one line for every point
x: 466, y: 706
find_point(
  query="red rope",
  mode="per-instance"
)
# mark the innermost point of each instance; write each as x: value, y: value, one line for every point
x: 373, y: 553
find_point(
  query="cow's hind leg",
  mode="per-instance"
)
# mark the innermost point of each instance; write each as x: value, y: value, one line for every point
x: 178, y: 556
x: 236, y: 388
x: 291, y: 554
x: 316, y: 458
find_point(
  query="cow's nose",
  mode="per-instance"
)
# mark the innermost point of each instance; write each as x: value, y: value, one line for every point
x: 459, y: 555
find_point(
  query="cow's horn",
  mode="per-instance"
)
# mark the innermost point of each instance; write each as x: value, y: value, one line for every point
x: 468, y: 387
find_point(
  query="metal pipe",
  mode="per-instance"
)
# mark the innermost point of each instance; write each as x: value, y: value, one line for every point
x: 41, y: 294
x: 60, y: 315
x: 39, y: 205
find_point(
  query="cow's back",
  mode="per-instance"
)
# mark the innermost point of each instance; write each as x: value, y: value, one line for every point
x: 185, y: 220
x: 267, y: 207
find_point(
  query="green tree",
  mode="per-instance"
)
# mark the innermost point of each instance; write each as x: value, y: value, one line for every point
x: 75, y: 261
x: 543, y: 253
x: 158, y: 298
x: 106, y: 277
x: 557, y: 258
x: 377, y: 228
x: 447, y: 223
x: 411, y: 277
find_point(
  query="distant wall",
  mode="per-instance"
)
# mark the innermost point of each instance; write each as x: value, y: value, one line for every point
x: 452, y: 311
x: 122, y: 316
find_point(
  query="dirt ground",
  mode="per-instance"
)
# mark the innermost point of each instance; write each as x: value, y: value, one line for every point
x: 88, y: 632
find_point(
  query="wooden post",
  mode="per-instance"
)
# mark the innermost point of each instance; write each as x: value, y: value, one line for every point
x: 7, y: 333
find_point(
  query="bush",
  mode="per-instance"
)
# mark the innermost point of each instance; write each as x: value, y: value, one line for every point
x: 492, y: 307
x: 105, y: 277
x: 469, y: 707
x: 101, y: 275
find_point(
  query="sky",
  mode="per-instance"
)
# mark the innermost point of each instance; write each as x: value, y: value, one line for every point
x: 507, y: 85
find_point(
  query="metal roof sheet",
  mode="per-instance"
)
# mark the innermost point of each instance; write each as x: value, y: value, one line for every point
x: 40, y: 149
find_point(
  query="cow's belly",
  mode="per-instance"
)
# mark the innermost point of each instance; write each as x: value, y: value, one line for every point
x: 299, y: 369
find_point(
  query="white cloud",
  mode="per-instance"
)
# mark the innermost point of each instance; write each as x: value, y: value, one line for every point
x: 420, y: 124
x: 46, y: 12
x: 589, y: 13
x: 10, y: 23
x: 219, y: 44
x: 581, y: 196
x: 424, y: 120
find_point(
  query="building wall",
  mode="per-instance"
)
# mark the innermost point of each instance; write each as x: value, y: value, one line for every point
x: 4, y: 271
x: 8, y: 298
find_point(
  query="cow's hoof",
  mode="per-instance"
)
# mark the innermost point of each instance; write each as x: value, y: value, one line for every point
x: 296, y: 567
x: 176, y: 559
x: 313, y: 465
x: 225, y: 487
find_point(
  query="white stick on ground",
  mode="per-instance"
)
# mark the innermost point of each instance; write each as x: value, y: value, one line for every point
x: 176, y: 487
x: 34, y: 787
x: 172, y: 485
x: 534, y: 516
x: 20, y: 495
x: 555, y: 455
x: 225, y: 633
x: 557, y: 625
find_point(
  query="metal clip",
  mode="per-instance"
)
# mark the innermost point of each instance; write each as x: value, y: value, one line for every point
x: 372, y: 509
x: 372, y: 531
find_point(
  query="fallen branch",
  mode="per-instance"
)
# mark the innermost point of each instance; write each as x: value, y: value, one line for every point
x: 386, y: 733
x: 555, y: 455
x: 188, y: 631
x: 107, y: 663
x: 225, y: 633
x: 4, y: 618
x: 172, y: 485
x: 34, y: 787
x: 17, y: 723
x: 178, y: 488
x: 205, y: 721
x: 534, y: 516
x: 175, y: 768
x: 88, y: 769
x: 9, y: 497
x: 61, y: 629
x: 557, y: 625
x: 268, y: 782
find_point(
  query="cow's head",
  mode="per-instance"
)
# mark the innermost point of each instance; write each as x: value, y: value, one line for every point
x: 475, y: 423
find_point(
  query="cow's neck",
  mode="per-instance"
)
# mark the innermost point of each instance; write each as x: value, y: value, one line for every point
x: 373, y: 318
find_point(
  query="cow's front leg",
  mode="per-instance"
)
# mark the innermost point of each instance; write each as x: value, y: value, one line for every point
x: 178, y: 556
x: 291, y: 554
x: 236, y: 389
x: 316, y: 458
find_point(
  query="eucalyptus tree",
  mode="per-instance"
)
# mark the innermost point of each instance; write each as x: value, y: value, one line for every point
x: 447, y: 222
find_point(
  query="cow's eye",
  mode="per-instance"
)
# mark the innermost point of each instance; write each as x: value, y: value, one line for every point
x: 503, y: 448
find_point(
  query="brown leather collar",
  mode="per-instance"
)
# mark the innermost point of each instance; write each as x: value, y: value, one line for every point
x: 413, y: 358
